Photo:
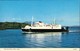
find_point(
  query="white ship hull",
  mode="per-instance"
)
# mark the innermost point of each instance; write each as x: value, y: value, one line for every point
x: 41, y: 27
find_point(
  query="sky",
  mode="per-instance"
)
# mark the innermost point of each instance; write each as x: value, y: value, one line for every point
x: 65, y: 12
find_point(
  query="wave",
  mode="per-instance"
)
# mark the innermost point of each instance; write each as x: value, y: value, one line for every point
x: 74, y: 31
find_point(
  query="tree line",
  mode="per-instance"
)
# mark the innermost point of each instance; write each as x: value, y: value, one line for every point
x: 12, y: 25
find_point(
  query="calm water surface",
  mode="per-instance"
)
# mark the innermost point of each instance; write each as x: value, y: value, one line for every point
x: 14, y: 38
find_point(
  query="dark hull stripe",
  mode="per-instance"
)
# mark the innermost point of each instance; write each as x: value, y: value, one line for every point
x: 44, y: 30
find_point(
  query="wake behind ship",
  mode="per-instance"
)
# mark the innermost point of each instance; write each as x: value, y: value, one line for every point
x: 41, y: 27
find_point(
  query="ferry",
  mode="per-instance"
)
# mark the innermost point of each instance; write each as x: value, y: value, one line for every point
x: 42, y: 27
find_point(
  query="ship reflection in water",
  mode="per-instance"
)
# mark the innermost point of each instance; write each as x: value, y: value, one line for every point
x: 43, y: 39
x: 16, y: 39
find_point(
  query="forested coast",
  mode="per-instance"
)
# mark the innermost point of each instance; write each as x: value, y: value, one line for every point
x: 12, y: 25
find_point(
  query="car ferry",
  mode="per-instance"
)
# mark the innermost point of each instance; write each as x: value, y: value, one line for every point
x: 42, y: 27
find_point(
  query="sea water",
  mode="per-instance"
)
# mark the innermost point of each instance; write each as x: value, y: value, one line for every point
x: 14, y: 38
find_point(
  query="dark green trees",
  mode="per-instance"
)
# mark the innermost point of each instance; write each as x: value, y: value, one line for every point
x: 12, y: 25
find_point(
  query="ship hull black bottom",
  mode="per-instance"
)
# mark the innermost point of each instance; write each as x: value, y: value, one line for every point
x: 44, y: 30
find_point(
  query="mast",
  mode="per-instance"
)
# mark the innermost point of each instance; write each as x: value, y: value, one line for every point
x: 54, y: 21
x: 32, y: 21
